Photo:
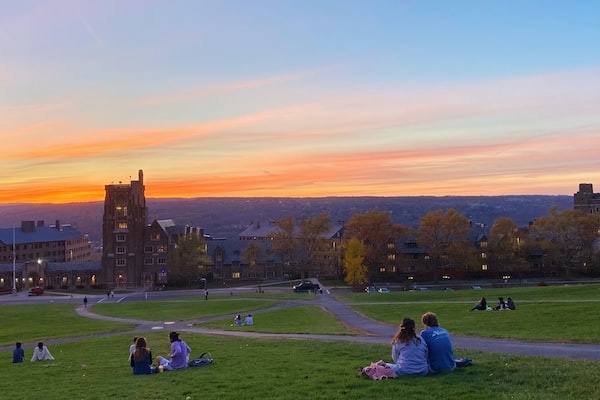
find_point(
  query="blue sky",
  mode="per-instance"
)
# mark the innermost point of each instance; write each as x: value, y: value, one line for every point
x: 298, y: 98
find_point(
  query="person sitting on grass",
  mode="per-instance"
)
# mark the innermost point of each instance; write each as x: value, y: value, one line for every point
x: 141, y: 358
x: 18, y: 353
x: 248, y: 320
x: 501, y: 304
x: 481, y: 305
x: 179, y: 354
x: 409, y: 351
x: 510, y: 304
x: 41, y: 353
x: 441, y: 354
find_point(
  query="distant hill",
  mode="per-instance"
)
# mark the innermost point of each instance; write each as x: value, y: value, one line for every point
x: 227, y: 217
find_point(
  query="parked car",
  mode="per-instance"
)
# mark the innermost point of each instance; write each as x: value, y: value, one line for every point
x: 36, y: 291
x: 370, y: 289
x: 306, y: 286
x: 384, y: 290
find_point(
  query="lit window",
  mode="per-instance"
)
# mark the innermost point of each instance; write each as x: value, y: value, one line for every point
x: 235, y: 275
x: 155, y: 236
x: 484, y: 267
x: 122, y: 225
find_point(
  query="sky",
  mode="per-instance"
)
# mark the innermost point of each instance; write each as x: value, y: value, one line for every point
x: 311, y: 98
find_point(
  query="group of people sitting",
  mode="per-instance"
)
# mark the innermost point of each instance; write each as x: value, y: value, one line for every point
x: 416, y: 354
x: 482, y: 305
x: 140, y: 356
x: 40, y: 353
x: 247, y: 321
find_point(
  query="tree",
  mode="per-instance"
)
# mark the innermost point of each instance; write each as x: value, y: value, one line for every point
x: 375, y: 230
x: 505, y: 243
x: 253, y: 256
x: 188, y: 259
x: 313, y: 243
x: 284, y: 243
x: 355, y: 269
x: 565, y: 235
x: 444, y: 236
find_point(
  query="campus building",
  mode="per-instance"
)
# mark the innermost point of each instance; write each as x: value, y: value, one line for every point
x: 586, y: 200
x: 30, y: 248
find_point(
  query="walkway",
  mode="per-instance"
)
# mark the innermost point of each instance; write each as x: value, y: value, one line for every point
x: 370, y: 331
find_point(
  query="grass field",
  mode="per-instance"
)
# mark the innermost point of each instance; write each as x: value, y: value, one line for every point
x: 254, y: 368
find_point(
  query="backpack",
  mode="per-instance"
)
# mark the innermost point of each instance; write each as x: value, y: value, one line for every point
x: 204, y: 359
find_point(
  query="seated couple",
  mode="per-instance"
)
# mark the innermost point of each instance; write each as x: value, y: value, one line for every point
x: 417, y: 355
x: 141, y: 358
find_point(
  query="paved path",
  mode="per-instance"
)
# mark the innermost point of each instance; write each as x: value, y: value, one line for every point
x: 369, y: 331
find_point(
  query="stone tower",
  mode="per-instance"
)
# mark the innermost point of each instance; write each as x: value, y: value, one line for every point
x: 123, y: 227
x: 586, y: 200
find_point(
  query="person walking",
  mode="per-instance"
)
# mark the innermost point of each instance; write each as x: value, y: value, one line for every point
x: 85, y: 301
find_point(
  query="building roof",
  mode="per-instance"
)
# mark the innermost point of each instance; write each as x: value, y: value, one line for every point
x: 40, y: 234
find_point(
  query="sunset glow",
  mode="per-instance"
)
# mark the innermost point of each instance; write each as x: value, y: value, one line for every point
x: 298, y: 99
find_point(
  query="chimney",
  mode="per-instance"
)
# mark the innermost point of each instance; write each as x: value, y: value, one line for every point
x: 57, y: 225
x: 40, y: 223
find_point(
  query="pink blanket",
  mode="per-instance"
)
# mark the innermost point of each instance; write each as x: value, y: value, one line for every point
x: 378, y: 370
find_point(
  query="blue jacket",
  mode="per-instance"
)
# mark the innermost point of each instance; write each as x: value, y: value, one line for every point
x: 441, y: 355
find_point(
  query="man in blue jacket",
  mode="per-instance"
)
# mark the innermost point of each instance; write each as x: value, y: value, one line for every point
x: 441, y: 355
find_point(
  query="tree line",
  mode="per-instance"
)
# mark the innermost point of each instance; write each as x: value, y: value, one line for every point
x: 370, y: 247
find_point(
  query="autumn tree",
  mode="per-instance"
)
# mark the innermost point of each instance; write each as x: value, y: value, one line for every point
x: 565, y: 235
x: 354, y: 268
x: 188, y: 260
x: 444, y: 236
x: 505, y: 244
x: 284, y: 243
x: 313, y: 244
x: 375, y: 230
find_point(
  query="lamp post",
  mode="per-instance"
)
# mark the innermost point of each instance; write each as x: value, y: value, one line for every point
x: 14, y: 255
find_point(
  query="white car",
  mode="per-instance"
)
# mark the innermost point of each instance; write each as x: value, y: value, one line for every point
x: 384, y: 290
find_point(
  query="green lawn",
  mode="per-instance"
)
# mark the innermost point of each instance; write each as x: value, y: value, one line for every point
x: 29, y: 322
x: 252, y: 368
x: 298, y: 319
x: 247, y: 368
x: 182, y: 309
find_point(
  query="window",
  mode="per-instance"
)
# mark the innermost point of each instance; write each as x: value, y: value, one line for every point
x: 121, y: 262
x: 235, y: 275
x: 391, y: 257
x: 381, y: 269
x: 148, y: 261
x: 161, y: 260
x: 121, y: 211
x: 121, y: 250
x: 484, y: 267
x: 155, y: 236
x: 122, y: 225
x: 121, y: 237
x: 148, y: 249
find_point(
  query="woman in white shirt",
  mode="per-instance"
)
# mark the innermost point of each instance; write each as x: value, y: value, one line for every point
x: 41, y: 353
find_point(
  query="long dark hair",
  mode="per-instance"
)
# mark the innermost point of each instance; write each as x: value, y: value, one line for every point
x: 406, y: 333
x: 141, y: 349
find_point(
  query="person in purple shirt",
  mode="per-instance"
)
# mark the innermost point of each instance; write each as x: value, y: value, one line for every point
x: 441, y: 354
x: 409, y: 351
x: 179, y: 354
